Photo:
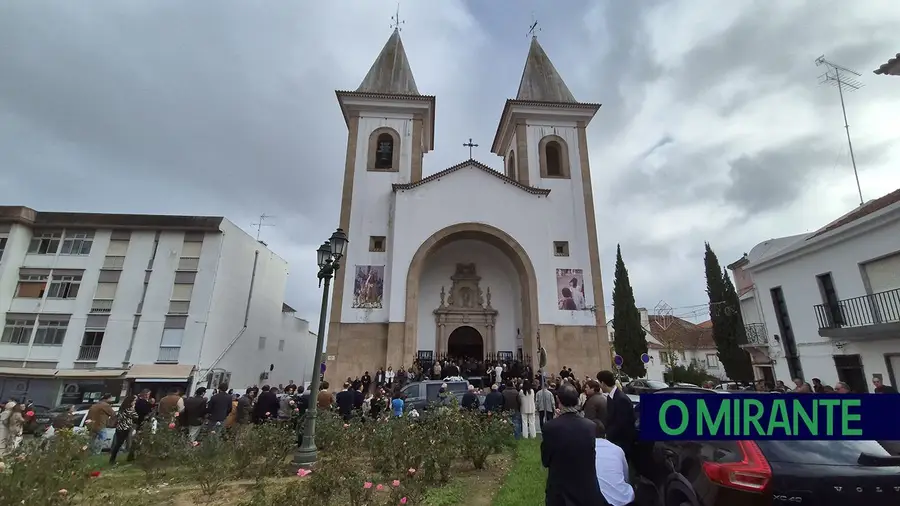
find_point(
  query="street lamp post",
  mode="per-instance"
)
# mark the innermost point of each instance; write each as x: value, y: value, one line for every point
x: 329, y: 257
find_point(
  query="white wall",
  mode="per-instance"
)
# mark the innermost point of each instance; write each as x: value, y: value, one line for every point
x: 496, y: 273
x: 797, y: 279
x: 371, y: 209
x: 535, y: 224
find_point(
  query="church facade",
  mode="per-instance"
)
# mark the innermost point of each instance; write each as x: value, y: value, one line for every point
x: 468, y: 261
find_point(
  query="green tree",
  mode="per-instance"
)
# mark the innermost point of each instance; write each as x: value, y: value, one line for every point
x: 630, y: 340
x: 728, y: 325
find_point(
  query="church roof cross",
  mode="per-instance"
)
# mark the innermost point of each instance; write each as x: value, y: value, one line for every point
x: 534, y: 28
x: 395, y: 20
x: 470, y: 145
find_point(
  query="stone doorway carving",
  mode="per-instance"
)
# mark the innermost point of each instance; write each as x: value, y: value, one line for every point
x: 465, y: 306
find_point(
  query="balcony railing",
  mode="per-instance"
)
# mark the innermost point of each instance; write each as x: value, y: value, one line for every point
x: 874, y: 309
x: 89, y: 353
x: 101, y: 305
x: 756, y: 334
x: 168, y: 353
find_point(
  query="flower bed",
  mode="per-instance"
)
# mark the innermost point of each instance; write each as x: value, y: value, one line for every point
x: 364, y: 463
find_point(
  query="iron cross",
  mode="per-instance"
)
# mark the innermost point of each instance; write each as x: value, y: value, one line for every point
x: 533, y: 29
x: 470, y: 146
x: 395, y: 20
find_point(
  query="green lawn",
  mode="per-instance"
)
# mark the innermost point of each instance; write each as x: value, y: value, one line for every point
x: 524, y: 485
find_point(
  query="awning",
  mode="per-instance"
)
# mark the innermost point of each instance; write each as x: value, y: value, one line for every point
x: 90, y: 373
x: 27, y: 371
x: 160, y: 372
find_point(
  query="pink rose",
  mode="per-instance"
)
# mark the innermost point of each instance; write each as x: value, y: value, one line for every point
x: 411, y: 471
x: 172, y: 425
x: 303, y: 472
x: 396, y: 483
x: 296, y: 410
x: 379, y: 487
x: 367, y: 485
x: 63, y: 491
x: 346, y: 425
x: 402, y: 500
x: 268, y: 413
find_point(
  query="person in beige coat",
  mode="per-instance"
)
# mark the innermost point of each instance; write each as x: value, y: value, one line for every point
x: 7, y: 411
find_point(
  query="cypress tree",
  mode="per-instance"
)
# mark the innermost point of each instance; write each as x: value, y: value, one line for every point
x: 630, y: 340
x: 728, y: 325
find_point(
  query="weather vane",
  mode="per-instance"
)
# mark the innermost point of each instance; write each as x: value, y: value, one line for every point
x: 395, y: 20
x: 534, y: 28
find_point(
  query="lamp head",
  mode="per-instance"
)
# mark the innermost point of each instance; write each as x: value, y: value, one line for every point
x: 323, y: 254
x: 338, y: 244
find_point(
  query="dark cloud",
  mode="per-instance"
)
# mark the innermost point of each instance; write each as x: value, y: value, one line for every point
x: 226, y: 108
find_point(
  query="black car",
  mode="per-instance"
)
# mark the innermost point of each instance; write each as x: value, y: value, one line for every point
x: 422, y: 393
x: 644, y: 386
x: 771, y: 473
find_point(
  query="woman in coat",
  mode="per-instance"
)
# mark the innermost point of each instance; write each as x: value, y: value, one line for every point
x: 5, y: 446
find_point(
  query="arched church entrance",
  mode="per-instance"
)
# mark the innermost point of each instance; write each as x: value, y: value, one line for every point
x: 465, y: 343
x: 471, y: 298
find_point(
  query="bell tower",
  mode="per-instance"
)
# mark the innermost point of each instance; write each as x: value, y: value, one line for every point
x: 542, y: 137
x: 390, y: 128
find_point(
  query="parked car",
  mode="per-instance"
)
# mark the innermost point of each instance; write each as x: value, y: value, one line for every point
x: 420, y: 394
x: 643, y: 386
x: 757, y: 473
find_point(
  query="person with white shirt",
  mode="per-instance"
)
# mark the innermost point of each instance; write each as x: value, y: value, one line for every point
x: 612, y: 470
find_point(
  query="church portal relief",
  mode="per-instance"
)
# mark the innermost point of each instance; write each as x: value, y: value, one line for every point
x: 466, y: 305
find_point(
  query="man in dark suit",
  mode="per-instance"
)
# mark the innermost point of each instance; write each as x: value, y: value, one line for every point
x: 619, y: 413
x: 569, y: 454
x: 345, y: 400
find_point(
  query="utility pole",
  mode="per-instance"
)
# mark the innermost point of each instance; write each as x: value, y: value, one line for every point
x: 262, y: 223
x: 844, y: 79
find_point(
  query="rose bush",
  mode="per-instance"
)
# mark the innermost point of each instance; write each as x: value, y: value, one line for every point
x: 57, y: 473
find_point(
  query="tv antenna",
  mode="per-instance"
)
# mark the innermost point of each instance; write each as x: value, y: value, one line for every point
x: 262, y: 223
x: 395, y: 20
x: 843, y: 79
x: 663, y: 313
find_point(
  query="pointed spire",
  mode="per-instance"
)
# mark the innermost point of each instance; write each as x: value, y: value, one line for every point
x: 390, y: 73
x: 540, y: 80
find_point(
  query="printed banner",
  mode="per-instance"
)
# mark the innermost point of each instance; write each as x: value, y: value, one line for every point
x: 755, y: 416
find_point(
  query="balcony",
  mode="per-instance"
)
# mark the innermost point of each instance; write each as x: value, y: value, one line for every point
x: 871, y: 316
x: 756, y: 335
x: 101, y: 306
x: 88, y: 353
x: 168, y: 354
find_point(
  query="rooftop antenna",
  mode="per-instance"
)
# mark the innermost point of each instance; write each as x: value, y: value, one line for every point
x: 395, y: 20
x: 262, y: 223
x: 534, y: 28
x: 843, y: 79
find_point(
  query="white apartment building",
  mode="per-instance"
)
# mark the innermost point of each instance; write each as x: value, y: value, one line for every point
x: 94, y: 303
x: 827, y: 304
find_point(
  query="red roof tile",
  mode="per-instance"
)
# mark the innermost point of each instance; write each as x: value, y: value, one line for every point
x: 863, y: 211
x: 680, y: 332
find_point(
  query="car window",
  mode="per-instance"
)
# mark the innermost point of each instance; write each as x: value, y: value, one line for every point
x: 458, y: 387
x: 842, y: 453
x: 432, y: 390
x: 656, y: 384
x: 410, y: 390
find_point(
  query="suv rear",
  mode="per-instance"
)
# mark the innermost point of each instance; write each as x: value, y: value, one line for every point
x: 751, y: 473
x: 420, y: 394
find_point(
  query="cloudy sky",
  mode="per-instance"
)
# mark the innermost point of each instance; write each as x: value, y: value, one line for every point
x: 713, y: 126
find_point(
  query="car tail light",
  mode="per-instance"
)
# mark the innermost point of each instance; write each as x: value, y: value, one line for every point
x: 751, y: 474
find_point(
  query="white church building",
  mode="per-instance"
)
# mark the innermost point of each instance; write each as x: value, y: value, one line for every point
x: 427, y: 270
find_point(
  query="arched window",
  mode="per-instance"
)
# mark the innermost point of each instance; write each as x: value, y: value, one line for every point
x: 384, y: 152
x: 511, y: 165
x: 554, y: 157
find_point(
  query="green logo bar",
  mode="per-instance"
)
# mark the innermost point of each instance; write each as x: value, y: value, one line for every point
x: 750, y: 418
